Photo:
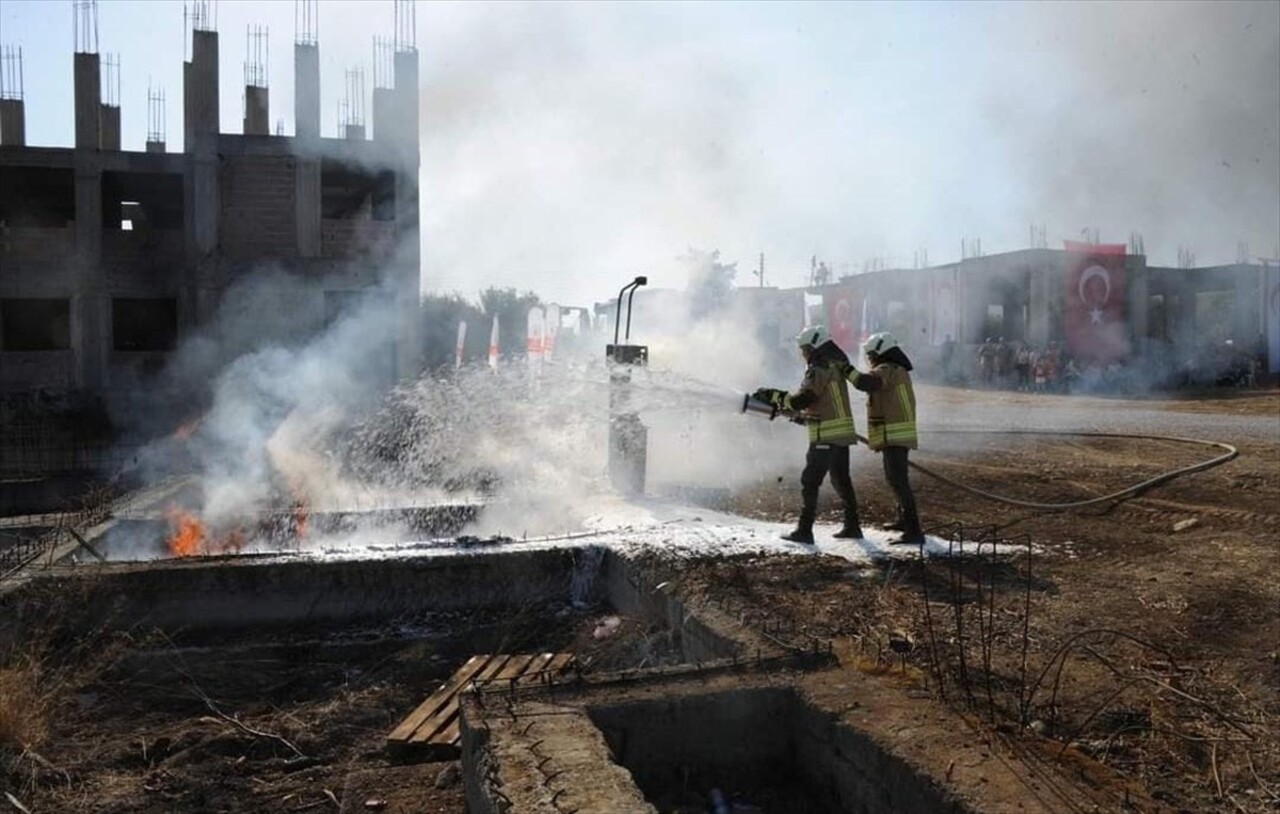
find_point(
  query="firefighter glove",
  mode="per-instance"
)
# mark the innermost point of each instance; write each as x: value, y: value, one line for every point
x: 770, y: 395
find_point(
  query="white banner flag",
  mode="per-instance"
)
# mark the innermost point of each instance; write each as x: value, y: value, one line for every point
x: 1271, y: 292
x: 944, y: 320
x: 462, y: 341
x: 493, y: 344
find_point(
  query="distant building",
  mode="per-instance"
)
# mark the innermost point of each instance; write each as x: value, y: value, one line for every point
x: 111, y: 258
x: 1098, y: 302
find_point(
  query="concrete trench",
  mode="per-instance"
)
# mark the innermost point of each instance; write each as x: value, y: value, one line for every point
x: 731, y: 716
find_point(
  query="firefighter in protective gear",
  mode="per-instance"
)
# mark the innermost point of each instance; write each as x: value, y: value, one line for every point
x: 822, y: 404
x: 891, y: 422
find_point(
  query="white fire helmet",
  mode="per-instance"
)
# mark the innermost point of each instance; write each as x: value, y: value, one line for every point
x: 814, y: 336
x: 879, y: 343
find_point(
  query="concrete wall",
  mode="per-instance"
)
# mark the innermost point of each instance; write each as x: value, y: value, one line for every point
x: 244, y: 592
x: 632, y: 590
x: 257, y: 199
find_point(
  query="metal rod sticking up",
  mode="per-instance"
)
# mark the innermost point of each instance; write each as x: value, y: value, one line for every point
x: 11, y: 78
x: 306, y: 22
x: 84, y: 26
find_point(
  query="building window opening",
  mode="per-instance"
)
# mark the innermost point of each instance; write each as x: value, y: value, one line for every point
x: 993, y: 325
x: 350, y: 192
x: 129, y: 211
x: 135, y: 201
x: 144, y: 325
x: 37, y: 197
x: 35, y: 324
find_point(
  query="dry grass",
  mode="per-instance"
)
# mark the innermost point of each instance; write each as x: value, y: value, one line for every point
x: 24, y: 709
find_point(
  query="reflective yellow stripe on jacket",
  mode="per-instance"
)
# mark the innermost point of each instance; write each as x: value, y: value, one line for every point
x: 829, y: 419
x: 891, y: 410
x: 834, y: 420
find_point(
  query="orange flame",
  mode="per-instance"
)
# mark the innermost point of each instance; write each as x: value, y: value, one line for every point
x: 187, y: 534
x: 187, y: 428
x: 300, y: 517
x: 189, y: 537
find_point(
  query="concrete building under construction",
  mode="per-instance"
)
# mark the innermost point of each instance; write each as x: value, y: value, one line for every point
x: 112, y: 257
x: 1101, y: 302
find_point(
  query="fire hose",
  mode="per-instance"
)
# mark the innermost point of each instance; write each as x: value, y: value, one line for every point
x: 750, y: 404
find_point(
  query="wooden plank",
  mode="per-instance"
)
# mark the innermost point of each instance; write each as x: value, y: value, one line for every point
x: 514, y: 669
x: 538, y: 665
x: 452, y: 734
x: 437, y: 699
x: 559, y: 664
x: 449, y: 712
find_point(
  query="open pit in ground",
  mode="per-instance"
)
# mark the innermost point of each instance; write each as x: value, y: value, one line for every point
x: 246, y: 683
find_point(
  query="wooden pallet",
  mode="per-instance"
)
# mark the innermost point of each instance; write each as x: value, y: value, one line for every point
x: 434, y: 728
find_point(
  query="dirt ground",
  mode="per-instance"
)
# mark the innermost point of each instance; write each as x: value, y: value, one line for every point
x: 1155, y: 621
x: 1153, y: 651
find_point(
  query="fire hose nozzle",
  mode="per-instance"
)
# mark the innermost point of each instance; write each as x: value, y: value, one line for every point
x: 750, y: 404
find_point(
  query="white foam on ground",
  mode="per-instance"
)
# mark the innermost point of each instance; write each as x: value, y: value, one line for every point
x: 677, y: 531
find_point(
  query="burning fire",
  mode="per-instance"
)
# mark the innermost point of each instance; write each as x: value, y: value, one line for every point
x: 188, y: 536
x: 187, y: 428
x: 300, y: 514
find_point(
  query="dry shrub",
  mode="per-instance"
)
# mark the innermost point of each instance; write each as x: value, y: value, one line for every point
x: 23, y: 708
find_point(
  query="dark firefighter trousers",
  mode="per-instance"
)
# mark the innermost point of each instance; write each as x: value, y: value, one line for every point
x: 821, y: 460
x: 895, y: 472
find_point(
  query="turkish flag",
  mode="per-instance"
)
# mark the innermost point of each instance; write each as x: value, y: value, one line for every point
x: 842, y: 306
x: 1093, y: 306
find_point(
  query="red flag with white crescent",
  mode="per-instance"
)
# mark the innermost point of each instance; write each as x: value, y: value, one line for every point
x: 1093, y: 307
x: 841, y: 305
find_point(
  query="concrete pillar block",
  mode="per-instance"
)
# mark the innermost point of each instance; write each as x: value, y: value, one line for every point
x: 257, y: 111
x: 204, y: 81
x: 109, y: 128
x: 88, y: 101
x: 306, y: 95
x: 13, y: 123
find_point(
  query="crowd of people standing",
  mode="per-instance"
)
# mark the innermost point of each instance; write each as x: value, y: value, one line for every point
x: 1022, y: 366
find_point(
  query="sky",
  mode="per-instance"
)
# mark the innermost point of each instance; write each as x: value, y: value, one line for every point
x: 566, y: 147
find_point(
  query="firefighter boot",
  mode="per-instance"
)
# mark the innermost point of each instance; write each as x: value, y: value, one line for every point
x: 803, y: 532
x: 852, y: 528
x: 911, y: 533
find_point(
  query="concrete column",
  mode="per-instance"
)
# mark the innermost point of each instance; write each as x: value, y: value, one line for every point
x: 109, y: 128
x: 306, y: 93
x: 202, y: 87
x: 404, y: 146
x: 384, y: 112
x: 1138, y: 306
x: 13, y: 123
x: 307, y: 203
x: 88, y: 94
x: 1038, y: 312
x: 1244, y: 304
x: 90, y: 329
x: 257, y: 113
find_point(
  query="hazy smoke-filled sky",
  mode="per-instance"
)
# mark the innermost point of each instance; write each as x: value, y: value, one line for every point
x: 566, y: 147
